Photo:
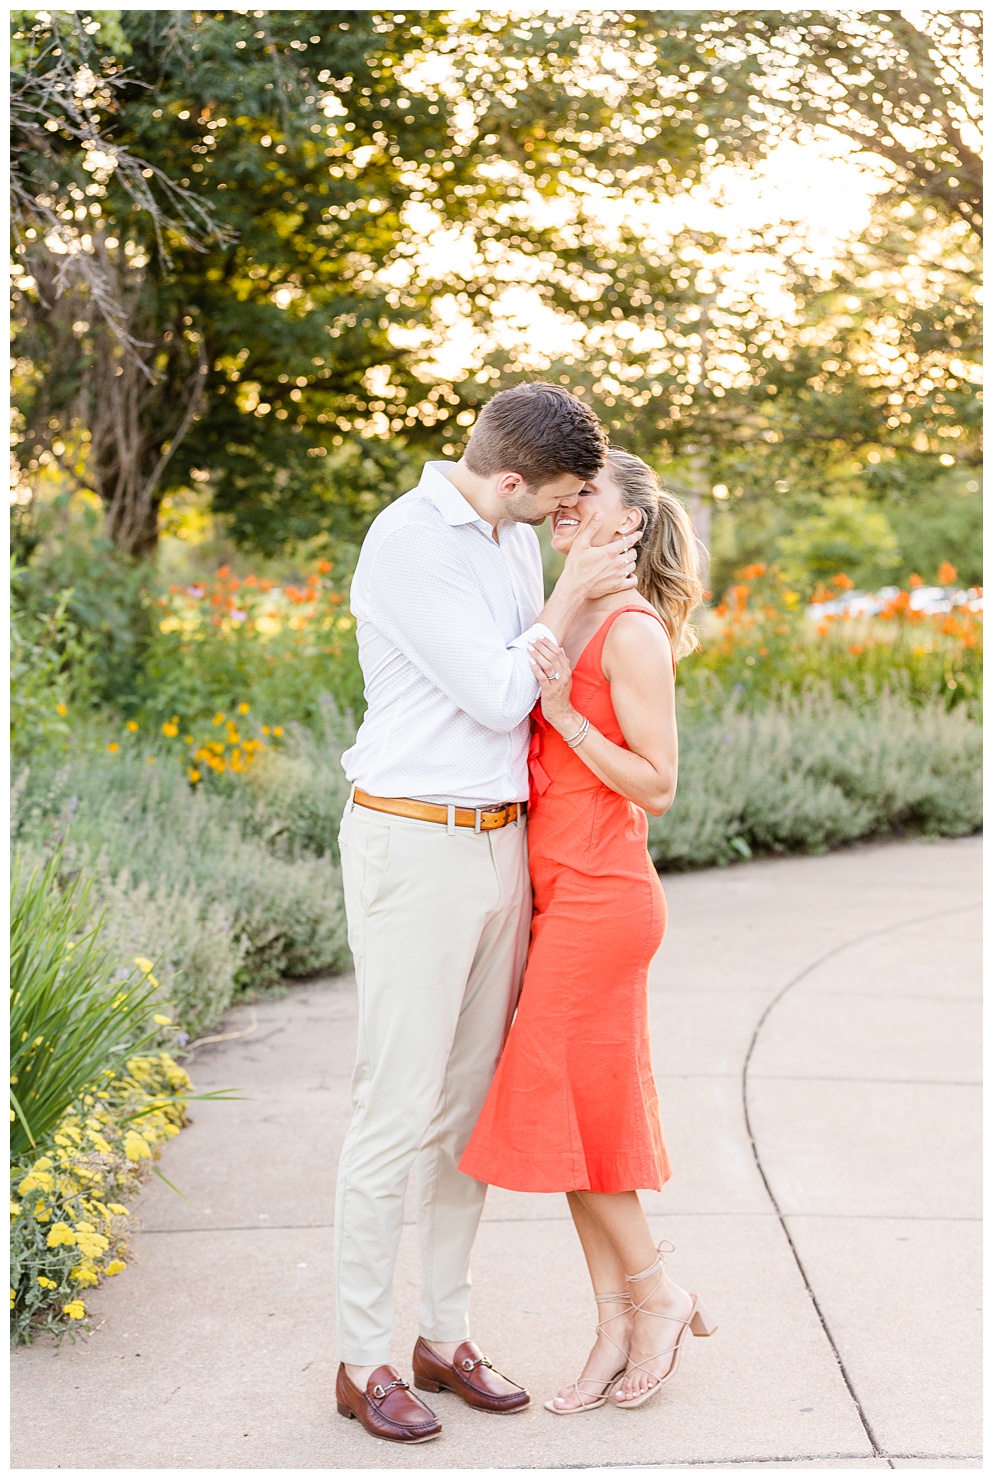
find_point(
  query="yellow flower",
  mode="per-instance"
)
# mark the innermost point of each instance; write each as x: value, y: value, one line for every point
x: 187, y: 739
x: 47, y: 1283
x: 193, y: 774
x: 161, y: 1021
x: 218, y: 718
x: 59, y: 1233
x: 143, y: 963
x: 83, y: 1274
x: 277, y: 730
x: 170, y: 731
x: 265, y: 729
x: 13, y: 1296
x: 117, y: 1209
x: 113, y: 747
x: 149, y: 759
x: 243, y: 708
x: 115, y: 1266
x: 97, y: 1140
x: 36, y: 1180
x: 135, y: 1148
x: 15, y: 1207
x: 90, y: 1243
x: 61, y: 709
x: 131, y: 724
x: 75, y: 1309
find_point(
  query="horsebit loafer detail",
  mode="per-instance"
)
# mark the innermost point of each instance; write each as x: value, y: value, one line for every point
x: 387, y: 1408
x: 468, y: 1376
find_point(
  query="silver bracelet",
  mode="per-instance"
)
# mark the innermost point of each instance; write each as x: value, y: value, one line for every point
x: 579, y: 736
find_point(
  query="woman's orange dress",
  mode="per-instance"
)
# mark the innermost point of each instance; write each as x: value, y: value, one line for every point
x: 573, y: 1105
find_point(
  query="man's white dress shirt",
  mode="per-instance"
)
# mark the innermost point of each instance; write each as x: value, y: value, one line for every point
x: 443, y: 616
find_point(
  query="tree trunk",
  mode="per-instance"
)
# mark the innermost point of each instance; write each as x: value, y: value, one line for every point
x: 130, y: 414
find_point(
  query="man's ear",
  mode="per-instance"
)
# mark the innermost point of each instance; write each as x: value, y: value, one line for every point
x: 509, y: 484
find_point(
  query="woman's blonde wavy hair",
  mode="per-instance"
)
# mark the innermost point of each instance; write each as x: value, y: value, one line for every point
x: 669, y: 553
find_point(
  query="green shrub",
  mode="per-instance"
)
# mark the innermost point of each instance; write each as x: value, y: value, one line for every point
x: 812, y: 772
x: 293, y: 798
x: 72, y: 1017
x: 48, y: 671
x: 108, y: 596
x: 197, y: 950
x: 211, y: 882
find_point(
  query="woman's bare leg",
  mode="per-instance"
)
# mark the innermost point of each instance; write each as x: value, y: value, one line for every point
x: 608, y: 1276
x: 620, y: 1224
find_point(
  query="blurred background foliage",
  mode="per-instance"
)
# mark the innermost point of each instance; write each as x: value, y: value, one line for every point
x: 268, y: 261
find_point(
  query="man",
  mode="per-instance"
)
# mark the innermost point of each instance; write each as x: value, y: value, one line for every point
x: 447, y: 595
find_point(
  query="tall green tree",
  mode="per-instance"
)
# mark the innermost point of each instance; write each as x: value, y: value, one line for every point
x: 904, y: 87
x: 235, y: 230
x: 258, y: 188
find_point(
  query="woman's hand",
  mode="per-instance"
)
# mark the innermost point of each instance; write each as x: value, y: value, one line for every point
x: 553, y: 671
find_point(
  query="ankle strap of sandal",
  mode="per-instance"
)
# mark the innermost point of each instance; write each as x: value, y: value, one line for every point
x: 624, y: 1298
x: 663, y: 1248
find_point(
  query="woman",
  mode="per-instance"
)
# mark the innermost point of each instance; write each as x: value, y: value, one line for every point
x: 573, y: 1105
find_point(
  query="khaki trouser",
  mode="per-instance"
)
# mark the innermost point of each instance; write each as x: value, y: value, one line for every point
x: 438, y: 924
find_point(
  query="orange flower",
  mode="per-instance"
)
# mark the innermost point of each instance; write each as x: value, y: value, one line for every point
x: 324, y: 566
x: 947, y: 573
x: 856, y: 649
x: 915, y: 580
x: 842, y: 581
x: 224, y: 571
x: 751, y: 572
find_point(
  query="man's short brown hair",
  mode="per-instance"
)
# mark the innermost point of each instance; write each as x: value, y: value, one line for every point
x: 539, y: 431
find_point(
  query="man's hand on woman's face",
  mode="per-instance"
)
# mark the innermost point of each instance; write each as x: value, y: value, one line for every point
x: 601, y: 569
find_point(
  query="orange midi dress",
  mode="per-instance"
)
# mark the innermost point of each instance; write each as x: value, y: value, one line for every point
x: 573, y: 1105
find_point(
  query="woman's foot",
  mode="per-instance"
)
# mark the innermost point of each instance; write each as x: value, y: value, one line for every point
x: 655, y: 1330
x: 602, y: 1365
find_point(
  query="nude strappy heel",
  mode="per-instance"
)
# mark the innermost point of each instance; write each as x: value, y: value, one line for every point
x: 698, y: 1321
x: 606, y: 1387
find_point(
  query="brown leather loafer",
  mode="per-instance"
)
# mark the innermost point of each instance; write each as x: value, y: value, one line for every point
x: 387, y: 1408
x: 468, y: 1376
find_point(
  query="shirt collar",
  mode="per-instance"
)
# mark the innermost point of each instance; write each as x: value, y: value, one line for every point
x: 449, y: 502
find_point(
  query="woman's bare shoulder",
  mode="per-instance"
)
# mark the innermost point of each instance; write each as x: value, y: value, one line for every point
x: 632, y: 641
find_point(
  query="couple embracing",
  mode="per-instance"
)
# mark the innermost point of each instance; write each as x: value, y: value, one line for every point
x: 502, y: 907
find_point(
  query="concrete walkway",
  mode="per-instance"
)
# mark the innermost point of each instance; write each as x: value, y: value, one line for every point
x: 816, y: 1035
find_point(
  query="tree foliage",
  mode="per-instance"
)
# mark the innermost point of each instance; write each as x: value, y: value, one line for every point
x: 242, y: 236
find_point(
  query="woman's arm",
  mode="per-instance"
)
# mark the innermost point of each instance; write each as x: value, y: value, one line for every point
x: 637, y: 663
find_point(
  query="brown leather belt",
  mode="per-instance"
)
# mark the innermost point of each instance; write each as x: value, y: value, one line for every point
x: 484, y: 819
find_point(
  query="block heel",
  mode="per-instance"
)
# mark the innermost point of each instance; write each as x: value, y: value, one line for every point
x: 701, y: 1323
x: 345, y: 1411
x: 423, y: 1384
